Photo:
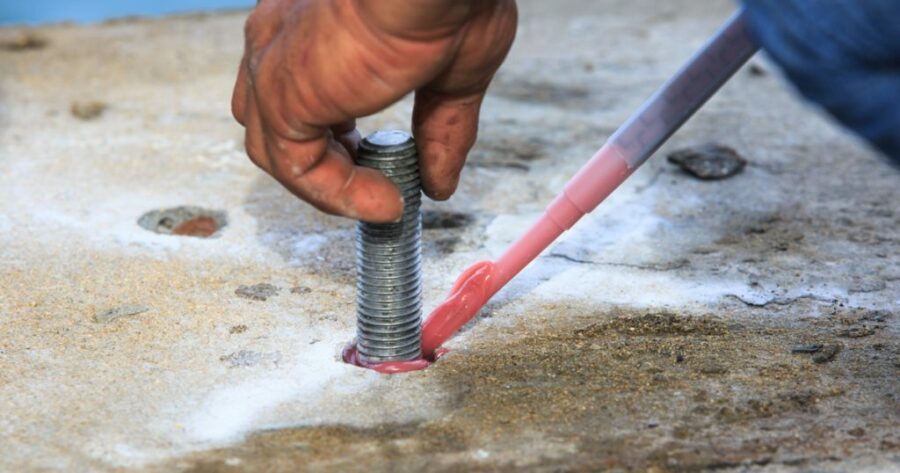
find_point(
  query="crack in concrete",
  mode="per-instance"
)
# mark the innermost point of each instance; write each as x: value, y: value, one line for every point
x: 670, y: 266
x: 650, y: 182
x: 782, y: 300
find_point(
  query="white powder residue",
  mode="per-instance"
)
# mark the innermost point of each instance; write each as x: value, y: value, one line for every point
x: 309, y: 243
x: 626, y: 253
x: 230, y: 411
x: 628, y: 286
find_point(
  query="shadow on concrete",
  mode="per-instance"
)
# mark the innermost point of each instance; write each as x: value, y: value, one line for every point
x: 301, y: 235
x: 325, y: 245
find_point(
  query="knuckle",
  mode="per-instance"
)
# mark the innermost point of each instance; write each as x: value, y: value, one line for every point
x: 284, y: 115
x: 251, y: 31
x: 296, y: 161
x: 255, y: 60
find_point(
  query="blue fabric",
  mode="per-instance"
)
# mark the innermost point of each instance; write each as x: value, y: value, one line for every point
x: 841, y: 54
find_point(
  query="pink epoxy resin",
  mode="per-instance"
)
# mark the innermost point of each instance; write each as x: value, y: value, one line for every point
x: 350, y: 355
x: 605, y: 172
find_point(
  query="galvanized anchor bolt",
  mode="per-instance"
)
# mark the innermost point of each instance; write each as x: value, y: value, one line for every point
x: 389, y: 258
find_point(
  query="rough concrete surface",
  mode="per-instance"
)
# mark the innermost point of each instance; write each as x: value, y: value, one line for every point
x: 655, y: 336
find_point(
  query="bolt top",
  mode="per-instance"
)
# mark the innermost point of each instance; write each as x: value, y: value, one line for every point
x: 387, y: 141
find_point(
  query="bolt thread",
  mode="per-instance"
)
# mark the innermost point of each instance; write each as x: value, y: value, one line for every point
x: 389, y: 258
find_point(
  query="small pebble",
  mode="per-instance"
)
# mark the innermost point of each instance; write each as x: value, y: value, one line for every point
x: 710, y: 161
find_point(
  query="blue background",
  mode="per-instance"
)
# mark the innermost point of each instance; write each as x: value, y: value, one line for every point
x: 44, y: 11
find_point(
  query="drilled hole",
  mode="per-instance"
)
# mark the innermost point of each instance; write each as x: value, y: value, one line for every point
x: 184, y: 221
x: 444, y: 220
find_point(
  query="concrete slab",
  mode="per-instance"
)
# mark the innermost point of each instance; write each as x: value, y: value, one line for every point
x: 656, y: 336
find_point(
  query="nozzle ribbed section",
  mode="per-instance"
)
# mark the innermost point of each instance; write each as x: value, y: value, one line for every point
x: 389, y: 258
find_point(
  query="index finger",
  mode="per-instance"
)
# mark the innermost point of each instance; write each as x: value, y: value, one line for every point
x: 334, y: 184
x: 320, y: 171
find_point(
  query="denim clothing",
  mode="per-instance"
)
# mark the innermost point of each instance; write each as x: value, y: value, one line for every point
x: 841, y: 54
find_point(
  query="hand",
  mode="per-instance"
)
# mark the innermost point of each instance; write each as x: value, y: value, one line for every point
x: 311, y: 67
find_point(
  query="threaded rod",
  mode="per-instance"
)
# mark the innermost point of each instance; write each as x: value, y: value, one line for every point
x: 389, y: 258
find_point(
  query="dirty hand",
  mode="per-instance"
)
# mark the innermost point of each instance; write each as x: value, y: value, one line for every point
x: 311, y: 67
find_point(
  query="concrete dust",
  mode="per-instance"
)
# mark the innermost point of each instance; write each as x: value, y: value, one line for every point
x: 609, y: 390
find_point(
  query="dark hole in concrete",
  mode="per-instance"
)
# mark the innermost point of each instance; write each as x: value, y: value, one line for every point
x: 257, y: 292
x: 89, y: 110
x: 555, y: 94
x: 440, y: 220
x: 509, y: 152
x: 184, y: 221
x: 23, y: 41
